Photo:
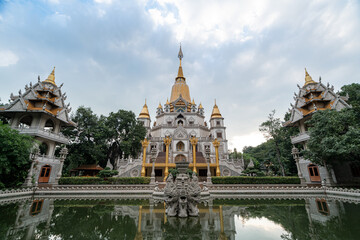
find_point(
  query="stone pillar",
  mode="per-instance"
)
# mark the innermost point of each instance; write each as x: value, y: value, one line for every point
x: 167, y: 142
x: 193, y: 142
x: 295, y: 153
x: 207, y: 154
x: 216, y: 144
x: 63, y: 153
x: 144, y: 144
x: 33, y: 155
x: 153, y: 159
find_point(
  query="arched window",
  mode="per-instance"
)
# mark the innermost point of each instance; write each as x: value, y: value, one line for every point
x: 180, y: 122
x: 180, y: 146
x: 25, y: 122
x: 314, y: 173
x: 49, y: 126
x: 45, y: 174
x: 43, y: 148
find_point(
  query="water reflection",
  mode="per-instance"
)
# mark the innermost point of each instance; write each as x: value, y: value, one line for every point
x: 316, y: 218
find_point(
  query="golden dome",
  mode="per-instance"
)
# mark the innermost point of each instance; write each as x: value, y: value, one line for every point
x: 200, y: 106
x: 144, y: 112
x: 216, y: 112
x: 51, y: 77
x: 159, y: 105
x: 308, y: 78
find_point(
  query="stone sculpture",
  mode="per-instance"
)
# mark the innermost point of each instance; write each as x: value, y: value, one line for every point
x: 182, y: 194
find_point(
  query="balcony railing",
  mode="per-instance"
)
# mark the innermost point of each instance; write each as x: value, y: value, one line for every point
x: 56, y: 137
x: 301, y: 137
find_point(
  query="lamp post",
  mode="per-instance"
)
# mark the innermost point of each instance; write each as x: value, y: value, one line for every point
x: 167, y: 142
x: 296, y: 155
x: 207, y: 154
x: 63, y: 153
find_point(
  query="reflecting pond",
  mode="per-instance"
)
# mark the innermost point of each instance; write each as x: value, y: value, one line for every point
x: 313, y: 218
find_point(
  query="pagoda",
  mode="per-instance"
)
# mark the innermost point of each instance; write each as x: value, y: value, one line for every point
x: 312, y: 97
x: 180, y: 133
x: 40, y: 111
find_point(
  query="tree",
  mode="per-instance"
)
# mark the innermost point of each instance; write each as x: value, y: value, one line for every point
x: 334, y: 137
x: 124, y: 135
x: 271, y: 130
x: 88, y: 140
x: 14, y: 156
x: 353, y: 91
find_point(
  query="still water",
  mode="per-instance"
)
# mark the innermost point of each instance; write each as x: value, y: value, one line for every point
x: 314, y: 218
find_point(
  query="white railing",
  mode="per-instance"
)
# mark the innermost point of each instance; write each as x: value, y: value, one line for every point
x: 301, y: 137
x: 57, y: 137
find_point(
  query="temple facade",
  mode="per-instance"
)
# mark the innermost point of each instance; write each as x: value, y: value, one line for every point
x: 313, y: 97
x: 180, y: 132
x: 40, y: 111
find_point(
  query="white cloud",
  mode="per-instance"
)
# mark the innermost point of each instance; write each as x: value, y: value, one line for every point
x: 60, y: 19
x: 251, y: 139
x: 7, y: 58
x: 103, y: 1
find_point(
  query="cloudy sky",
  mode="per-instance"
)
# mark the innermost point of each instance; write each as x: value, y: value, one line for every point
x: 248, y: 55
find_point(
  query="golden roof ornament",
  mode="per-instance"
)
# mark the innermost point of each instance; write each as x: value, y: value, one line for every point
x: 193, y: 102
x: 308, y: 78
x: 180, y: 72
x: 167, y: 101
x: 144, y: 112
x: 216, y: 112
x: 200, y: 106
x: 159, y: 105
x: 51, y: 77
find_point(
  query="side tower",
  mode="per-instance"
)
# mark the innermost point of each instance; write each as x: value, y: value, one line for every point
x: 312, y: 97
x: 41, y: 112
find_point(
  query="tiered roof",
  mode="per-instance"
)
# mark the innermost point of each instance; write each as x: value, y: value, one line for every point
x: 43, y: 97
x: 312, y: 97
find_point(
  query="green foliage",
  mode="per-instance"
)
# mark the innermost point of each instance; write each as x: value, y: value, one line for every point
x: 98, y: 180
x: 266, y: 155
x: 14, y: 157
x: 253, y: 171
x: 334, y: 137
x: 88, y: 139
x: 124, y: 134
x: 97, y: 139
x: 173, y: 172
x: 107, y: 173
x: 255, y: 180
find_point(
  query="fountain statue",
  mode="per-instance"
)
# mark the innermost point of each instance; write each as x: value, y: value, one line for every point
x: 183, y: 193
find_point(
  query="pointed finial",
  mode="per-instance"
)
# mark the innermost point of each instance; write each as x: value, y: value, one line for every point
x: 308, y: 78
x: 180, y: 55
x: 51, y: 77
x: 167, y: 101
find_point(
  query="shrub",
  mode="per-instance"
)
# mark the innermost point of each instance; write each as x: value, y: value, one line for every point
x: 107, y: 173
x: 255, y: 180
x: 97, y: 180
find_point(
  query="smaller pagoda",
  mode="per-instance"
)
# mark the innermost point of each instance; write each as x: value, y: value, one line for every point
x: 40, y: 111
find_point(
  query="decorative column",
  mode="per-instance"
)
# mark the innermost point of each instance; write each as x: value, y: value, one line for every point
x: 193, y: 142
x: 63, y: 153
x: 144, y: 144
x: 216, y: 144
x: 295, y: 152
x: 167, y: 142
x: 207, y: 154
x: 28, y: 181
x: 138, y: 235
x: 153, y: 159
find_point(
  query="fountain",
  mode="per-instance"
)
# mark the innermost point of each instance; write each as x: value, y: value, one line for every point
x: 183, y: 193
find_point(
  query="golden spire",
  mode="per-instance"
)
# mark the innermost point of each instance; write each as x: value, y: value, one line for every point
x: 200, y: 106
x: 180, y: 88
x: 216, y: 112
x: 159, y: 105
x: 180, y: 71
x: 167, y: 101
x: 308, y: 78
x: 144, y: 112
x: 193, y: 102
x: 51, y: 77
